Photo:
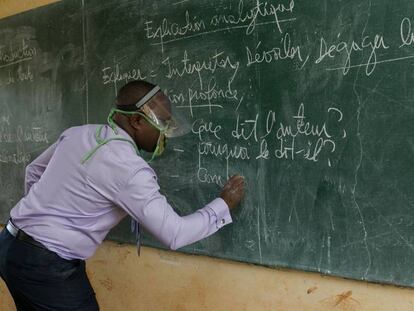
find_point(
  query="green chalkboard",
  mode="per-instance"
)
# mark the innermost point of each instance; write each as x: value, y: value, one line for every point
x: 311, y: 101
x: 41, y: 89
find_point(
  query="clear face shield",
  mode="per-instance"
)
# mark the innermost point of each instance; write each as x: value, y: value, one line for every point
x: 155, y: 107
x: 161, y: 122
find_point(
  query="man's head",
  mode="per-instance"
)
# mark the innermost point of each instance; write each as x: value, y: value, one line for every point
x: 147, y: 114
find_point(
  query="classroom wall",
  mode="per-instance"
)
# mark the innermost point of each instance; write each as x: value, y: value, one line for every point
x: 10, y: 7
x: 163, y: 280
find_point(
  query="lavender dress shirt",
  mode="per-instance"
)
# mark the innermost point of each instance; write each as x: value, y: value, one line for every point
x: 70, y: 207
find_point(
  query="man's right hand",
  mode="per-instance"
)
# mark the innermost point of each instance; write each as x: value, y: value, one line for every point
x: 233, y: 191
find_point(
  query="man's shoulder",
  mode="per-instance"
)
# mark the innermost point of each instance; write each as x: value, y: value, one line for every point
x: 77, y: 131
x: 119, y: 153
x: 116, y: 163
x: 86, y: 128
x: 125, y: 154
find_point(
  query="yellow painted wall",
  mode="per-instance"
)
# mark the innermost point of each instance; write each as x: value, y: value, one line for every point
x: 10, y: 7
x: 162, y: 280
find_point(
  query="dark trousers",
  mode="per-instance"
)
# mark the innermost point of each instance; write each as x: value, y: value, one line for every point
x: 40, y: 280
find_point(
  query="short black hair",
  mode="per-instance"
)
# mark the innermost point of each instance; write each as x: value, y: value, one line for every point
x: 132, y: 92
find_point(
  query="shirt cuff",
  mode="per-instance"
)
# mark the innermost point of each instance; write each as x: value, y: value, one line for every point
x: 221, y: 211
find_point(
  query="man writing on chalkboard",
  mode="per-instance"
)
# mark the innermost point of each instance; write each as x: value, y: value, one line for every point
x: 85, y: 184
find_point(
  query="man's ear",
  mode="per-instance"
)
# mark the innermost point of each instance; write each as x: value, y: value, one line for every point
x: 135, y: 121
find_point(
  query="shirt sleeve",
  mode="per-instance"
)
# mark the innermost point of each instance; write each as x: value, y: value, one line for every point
x: 36, y: 168
x: 142, y: 200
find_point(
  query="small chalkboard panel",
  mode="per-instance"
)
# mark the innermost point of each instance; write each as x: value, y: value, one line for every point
x: 41, y: 89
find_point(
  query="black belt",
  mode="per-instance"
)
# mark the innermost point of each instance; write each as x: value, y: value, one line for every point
x: 22, y: 236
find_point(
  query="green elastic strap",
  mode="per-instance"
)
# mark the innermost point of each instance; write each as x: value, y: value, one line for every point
x: 101, y: 142
x: 113, y: 126
x: 155, y: 153
x: 111, y: 121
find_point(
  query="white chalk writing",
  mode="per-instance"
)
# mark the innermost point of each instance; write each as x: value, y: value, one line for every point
x: 10, y: 55
x: 287, y: 51
x: 331, y: 51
